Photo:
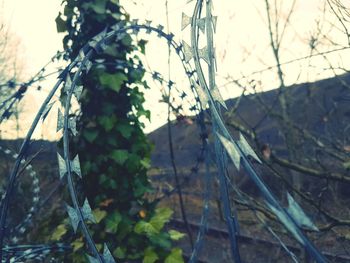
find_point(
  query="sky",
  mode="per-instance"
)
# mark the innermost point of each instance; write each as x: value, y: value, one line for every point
x: 33, y: 24
x: 241, y: 42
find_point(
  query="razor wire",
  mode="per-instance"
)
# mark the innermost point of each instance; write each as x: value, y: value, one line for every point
x: 237, y: 150
x: 19, y: 253
x: 205, y: 91
x: 22, y: 227
x: 77, y: 215
x: 156, y: 76
x: 22, y: 87
x: 207, y: 25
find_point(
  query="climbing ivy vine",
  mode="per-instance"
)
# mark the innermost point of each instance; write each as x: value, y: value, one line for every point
x: 114, y: 152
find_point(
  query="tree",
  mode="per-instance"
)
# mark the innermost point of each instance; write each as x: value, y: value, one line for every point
x: 10, y: 69
x: 114, y: 151
x: 300, y: 130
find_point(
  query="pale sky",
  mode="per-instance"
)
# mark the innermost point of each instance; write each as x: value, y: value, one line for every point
x: 33, y: 22
x: 242, y: 44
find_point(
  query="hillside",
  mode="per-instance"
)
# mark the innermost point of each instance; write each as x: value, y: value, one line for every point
x: 321, y: 113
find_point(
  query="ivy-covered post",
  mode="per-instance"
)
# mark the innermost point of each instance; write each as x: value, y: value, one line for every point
x: 114, y: 152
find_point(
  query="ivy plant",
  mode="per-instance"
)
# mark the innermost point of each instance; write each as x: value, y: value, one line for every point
x: 114, y: 152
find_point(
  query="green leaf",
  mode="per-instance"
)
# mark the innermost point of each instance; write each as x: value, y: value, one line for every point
x: 175, y: 235
x: 107, y: 122
x: 120, y: 156
x: 119, y: 252
x: 68, y: 11
x: 140, y: 187
x: 161, y: 240
x: 155, y: 225
x: 99, y: 246
x: 175, y: 256
x: 112, y: 81
x: 150, y: 256
x: 98, y: 6
x: 142, y: 45
x: 77, y: 244
x: 145, y: 113
x: 61, y: 25
x: 111, y: 50
x: 146, y: 228
x: 146, y: 162
x: 90, y: 135
x: 133, y: 163
x: 161, y: 217
x: 125, y: 130
x: 125, y: 228
x: 113, y: 221
x: 59, y: 232
x: 99, y: 214
x: 127, y: 40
